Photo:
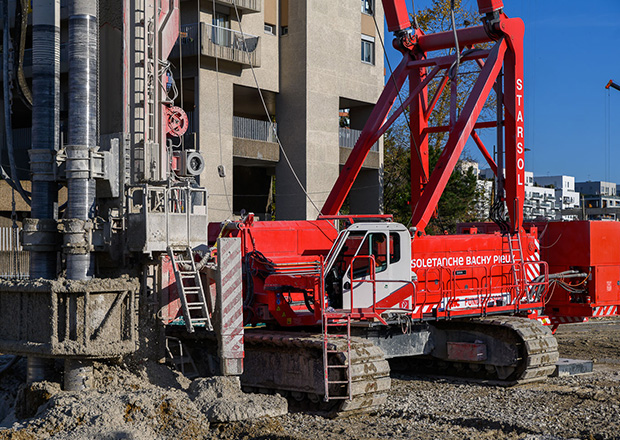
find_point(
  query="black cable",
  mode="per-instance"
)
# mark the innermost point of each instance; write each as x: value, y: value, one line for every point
x: 8, y: 365
x: 455, y: 67
x: 21, y: 78
x: 13, y: 180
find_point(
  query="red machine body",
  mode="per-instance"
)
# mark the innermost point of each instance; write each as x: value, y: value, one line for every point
x: 380, y: 290
x: 488, y: 6
x: 294, y: 272
x: 289, y: 269
x: 584, y: 265
x: 588, y: 247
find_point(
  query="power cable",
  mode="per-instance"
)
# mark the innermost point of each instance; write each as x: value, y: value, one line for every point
x: 21, y: 78
x: 180, y: 68
x: 607, y: 136
x: 13, y: 180
x: 455, y: 67
x: 412, y: 137
x: 260, y: 93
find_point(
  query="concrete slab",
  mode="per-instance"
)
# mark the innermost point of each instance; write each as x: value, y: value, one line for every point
x: 571, y: 367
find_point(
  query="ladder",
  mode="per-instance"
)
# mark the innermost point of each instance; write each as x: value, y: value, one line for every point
x: 143, y: 89
x: 189, y: 286
x: 516, y: 258
x: 341, y: 324
x: 179, y: 358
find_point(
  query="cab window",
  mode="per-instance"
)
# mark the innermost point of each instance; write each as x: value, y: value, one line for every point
x: 394, y: 247
x: 376, y: 245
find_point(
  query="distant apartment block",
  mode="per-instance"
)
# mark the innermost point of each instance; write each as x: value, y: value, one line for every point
x: 599, y: 194
x: 565, y: 195
x: 539, y: 203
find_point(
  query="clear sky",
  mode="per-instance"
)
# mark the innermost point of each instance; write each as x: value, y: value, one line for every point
x: 572, y: 49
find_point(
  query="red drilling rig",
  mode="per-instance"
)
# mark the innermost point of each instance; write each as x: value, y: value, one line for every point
x: 341, y: 295
x: 310, y: 309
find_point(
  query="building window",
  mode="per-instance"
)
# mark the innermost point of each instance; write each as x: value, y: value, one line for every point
x: 368, y: 49
x: 368, y: 7
x: 221, y: 30
x: 270, y: 29
x: 284, y: 30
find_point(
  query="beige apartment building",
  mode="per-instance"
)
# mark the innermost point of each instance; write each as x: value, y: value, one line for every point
x: 314, y: 61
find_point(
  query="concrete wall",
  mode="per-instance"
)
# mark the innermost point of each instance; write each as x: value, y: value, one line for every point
x: 320, y: 62
x: 215, y: 102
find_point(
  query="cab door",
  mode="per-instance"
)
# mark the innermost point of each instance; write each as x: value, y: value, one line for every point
x: 377, y: 264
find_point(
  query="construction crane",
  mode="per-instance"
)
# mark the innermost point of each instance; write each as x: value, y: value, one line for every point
x: 310, y: 309
x: 391, y: 292
x: 612, y: 84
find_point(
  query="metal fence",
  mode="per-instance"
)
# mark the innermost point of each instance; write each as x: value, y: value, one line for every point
x: 14, y: 261
x: 349, y: 136
x: 253, y: 129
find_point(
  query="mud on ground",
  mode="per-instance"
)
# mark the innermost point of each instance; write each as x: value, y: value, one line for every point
x: 584, y: 407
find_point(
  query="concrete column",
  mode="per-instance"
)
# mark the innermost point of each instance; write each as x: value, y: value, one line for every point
x: 216, y: 126
x: 292, y: 116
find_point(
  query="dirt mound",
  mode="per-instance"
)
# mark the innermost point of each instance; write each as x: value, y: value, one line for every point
x: 140, y: 415
x: 137, y: 401
x: 221, y: 399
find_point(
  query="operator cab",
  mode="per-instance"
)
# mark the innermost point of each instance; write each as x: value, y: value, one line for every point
x: 367, y: 254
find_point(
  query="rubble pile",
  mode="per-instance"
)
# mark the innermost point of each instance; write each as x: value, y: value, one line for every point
x: 137, y: 402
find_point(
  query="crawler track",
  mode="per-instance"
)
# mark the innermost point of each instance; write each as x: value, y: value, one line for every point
x: 531, y: 352
x: 292, y: 364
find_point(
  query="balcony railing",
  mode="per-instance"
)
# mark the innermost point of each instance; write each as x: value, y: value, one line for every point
x: 253, y: 129
x: 230, y: 45
x: 217, y: 41
x: 243, y: 5
x: 349, y: 136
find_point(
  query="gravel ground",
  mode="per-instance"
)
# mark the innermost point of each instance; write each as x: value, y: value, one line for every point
x: 584, y: 407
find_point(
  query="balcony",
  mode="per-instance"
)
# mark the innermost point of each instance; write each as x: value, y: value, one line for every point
x: 349, y: 136
x: 246, y: 6
x: 246, y: 128
x: 216, y: 41
x: 347, y: 139
x: 254, y: 139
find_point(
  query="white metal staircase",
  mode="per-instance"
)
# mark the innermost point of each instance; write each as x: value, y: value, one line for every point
x: 190, y: 289
x: 340, y: 323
